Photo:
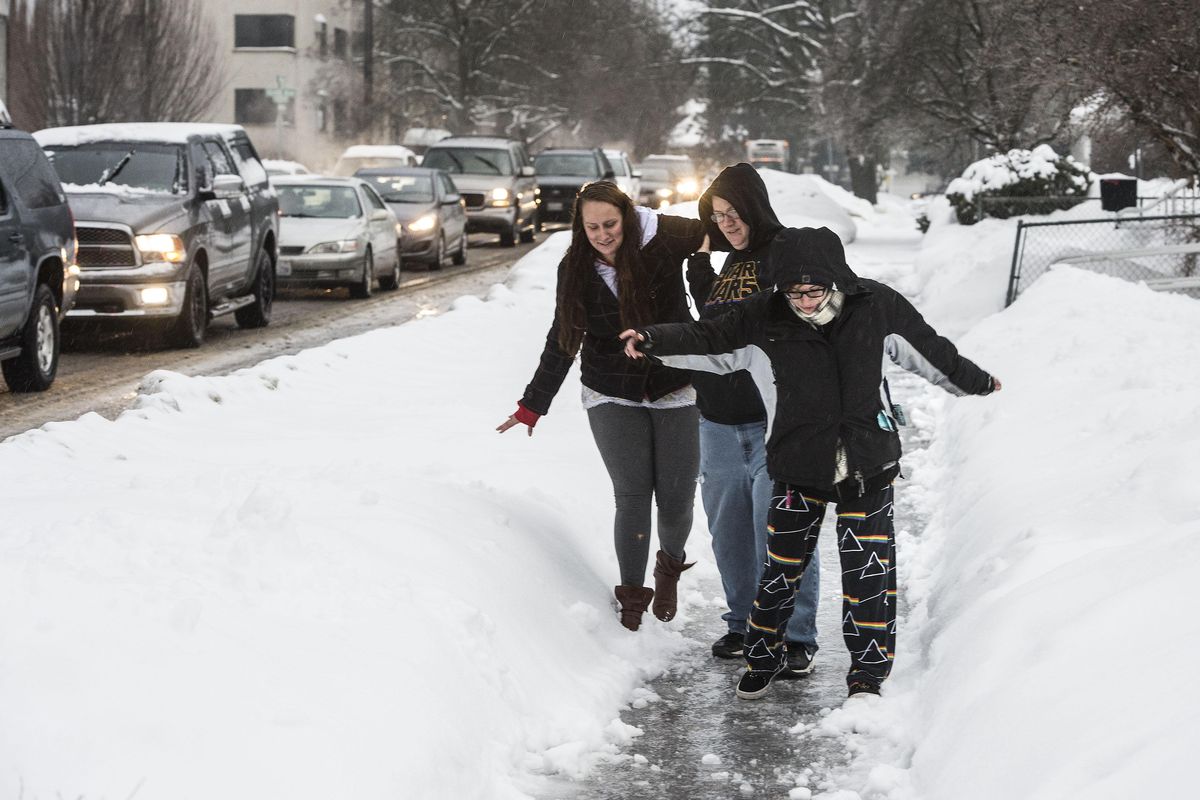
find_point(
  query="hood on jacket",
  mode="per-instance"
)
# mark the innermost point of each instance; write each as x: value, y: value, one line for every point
x: 743, y: 188
x: 811, y: 255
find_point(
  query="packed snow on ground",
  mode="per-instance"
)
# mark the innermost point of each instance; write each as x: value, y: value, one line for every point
x: 328, y: 576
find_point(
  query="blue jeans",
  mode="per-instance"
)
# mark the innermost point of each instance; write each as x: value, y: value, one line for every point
x: 736, y: 492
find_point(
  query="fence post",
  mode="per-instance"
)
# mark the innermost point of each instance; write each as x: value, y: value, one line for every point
x: 1012, y: 272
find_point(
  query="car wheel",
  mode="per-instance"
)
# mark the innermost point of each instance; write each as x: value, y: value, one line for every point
x: 34, y: 369
x: 460, y: 257
x: 538, y: 225
x: 258, y: 313
x: 366, y: 285
x: 527, y: 235
x: 191, y: 326
x: 509, y: 237
x: 391, y: 281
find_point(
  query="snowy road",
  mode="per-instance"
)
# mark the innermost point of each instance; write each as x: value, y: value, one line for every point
x: 100, y: 371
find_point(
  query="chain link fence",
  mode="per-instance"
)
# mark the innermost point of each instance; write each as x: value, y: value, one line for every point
x: 1163, y: 251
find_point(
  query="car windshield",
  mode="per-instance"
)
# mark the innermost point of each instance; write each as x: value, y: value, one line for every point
x: 469, y: 161
x: 676, y: 169
x: 402, y: 188
x: 334, y: 202
x: 655, y: 175
x: 151, y: 167
x: 577, y: 166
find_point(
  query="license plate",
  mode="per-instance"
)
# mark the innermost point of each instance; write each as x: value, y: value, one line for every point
x: 283, y: 268
x: 554, y: 206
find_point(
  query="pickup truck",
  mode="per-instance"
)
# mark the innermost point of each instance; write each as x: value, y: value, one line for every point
x: 177, y: 224
x: 38, y: 276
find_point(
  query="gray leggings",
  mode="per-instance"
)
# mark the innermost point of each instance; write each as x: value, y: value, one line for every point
x: 648, y: 451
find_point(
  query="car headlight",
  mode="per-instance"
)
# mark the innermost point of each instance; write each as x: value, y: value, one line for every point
x: 501, y: 197
x: 342, y: 246
x: 160, y: 247
x: 422, y: 224
x: 664, y: 192
x: 687, y: 186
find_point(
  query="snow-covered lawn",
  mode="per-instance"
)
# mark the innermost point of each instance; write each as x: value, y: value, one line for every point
x: 327, y: 576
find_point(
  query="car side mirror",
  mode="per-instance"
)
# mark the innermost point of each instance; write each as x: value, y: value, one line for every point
x: 610, y: 175
x: 451, y: 199
x: 381, y: 213
x: 527, y: 171
x: 228, y: 187
x: 636, y: 175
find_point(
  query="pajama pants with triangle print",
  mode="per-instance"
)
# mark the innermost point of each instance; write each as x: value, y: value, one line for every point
x: 867, y: 549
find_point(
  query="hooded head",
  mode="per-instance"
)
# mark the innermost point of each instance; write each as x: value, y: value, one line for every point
x: 742, y: 187
x: 811, y: 256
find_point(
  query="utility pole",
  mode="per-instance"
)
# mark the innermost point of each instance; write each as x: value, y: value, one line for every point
x: 368, y: 53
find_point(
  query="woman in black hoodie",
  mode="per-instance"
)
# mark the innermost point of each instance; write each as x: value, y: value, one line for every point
x: 734, y: 485
x: 815, y: 347
x: 623, y: 265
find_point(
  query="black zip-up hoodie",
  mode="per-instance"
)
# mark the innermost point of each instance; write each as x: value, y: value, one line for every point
x: 826, y: 385
x: 732, y: 399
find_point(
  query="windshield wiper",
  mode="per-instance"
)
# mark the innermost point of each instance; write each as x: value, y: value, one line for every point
x: 495, y: 168
x: 115, y: 169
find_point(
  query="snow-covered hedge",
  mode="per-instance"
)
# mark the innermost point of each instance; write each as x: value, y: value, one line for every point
x: 1020, y: 174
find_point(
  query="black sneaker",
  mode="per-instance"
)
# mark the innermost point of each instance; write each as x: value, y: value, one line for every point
x: 729, y: 645
x: 862, y: 687
x: 800, y: 662
x: 755, y: 683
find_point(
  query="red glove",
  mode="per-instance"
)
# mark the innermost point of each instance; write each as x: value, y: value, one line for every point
x: 525, y: 416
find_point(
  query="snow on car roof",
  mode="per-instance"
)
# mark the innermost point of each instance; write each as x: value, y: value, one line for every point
x: 171, y: 132
x: 377, y: 151
x: 309, y: 180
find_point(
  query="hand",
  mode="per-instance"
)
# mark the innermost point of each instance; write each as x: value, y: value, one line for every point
x: 510, y: 422
x: 995, y: 384
x: 631, y: 338
x: 704, y: 246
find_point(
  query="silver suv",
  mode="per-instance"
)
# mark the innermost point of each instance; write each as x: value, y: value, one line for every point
x: 38, y: 276
x: 496, y: 180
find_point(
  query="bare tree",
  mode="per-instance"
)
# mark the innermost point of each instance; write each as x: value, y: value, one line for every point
x: 1141, y: 60
x: 86, y: 61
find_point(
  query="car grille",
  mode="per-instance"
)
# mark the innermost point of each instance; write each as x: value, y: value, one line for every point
x: 473, y: 199
x: 105, y: 248
x: 559, y: 193
x: 291, y: 250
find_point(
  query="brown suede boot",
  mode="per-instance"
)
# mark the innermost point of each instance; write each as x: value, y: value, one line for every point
x: 666, y: 584
x: 633, y: 600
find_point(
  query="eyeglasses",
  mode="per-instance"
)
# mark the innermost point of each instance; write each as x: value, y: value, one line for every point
x: 719, y: 217
x: 812, y: 294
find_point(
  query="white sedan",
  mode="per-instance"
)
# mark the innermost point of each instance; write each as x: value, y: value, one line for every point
x: 336, y: 232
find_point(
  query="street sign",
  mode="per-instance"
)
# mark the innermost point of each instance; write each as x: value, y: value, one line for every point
x: 280, y: 94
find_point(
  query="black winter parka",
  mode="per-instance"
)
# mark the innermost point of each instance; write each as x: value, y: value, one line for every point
x: 603, y: 365
x: 820, y: 386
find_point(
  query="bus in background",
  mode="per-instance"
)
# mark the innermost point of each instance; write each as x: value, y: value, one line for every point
x: 770, y: 153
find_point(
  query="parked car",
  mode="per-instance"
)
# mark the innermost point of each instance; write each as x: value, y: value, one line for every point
x: 38, y: 274
x: 176, y: 222
x: 430, y: 211
x: 360, y: 156
x: 336, y: 232
x: 562, y: 172
x: 275, y: 166
x: 682, y: 179
x: 625, y: 176
x: 497, y: 181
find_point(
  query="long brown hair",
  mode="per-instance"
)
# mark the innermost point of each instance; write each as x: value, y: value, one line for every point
x: 633, y: 290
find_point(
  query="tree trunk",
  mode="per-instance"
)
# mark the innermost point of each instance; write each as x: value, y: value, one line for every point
x: 863, y: 182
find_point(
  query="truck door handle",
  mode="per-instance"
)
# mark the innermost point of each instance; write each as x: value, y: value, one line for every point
x: 16, y: 238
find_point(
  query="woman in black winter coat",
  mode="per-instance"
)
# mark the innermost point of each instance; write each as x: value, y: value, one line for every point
x: 815, y: 348
x: 623, y: 269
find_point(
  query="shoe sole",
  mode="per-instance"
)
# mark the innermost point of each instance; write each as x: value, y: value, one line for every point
x: 727, y: 654
x: 753, y: 695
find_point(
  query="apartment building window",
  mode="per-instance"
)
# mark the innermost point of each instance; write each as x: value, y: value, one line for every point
x: 322, y: 39
x: 254, y: 107
x: 264, y: 30
x: 341, y: 43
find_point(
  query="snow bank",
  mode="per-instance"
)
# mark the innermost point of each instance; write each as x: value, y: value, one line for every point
x: 1045, y: 592
x: 1004, y: 169
x: 324, y: 576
